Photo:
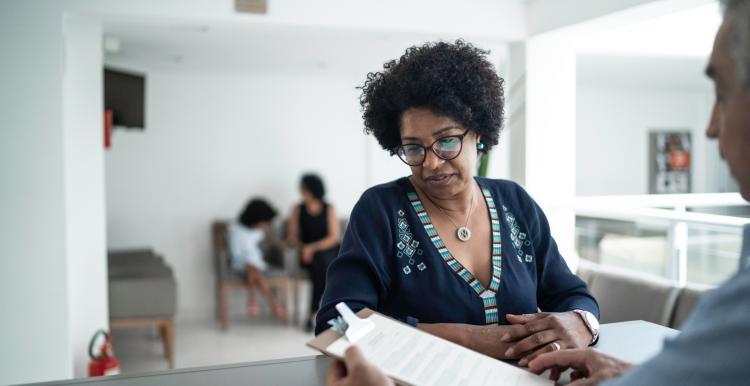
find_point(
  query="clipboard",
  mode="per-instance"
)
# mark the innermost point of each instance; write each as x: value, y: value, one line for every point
x: 327, y: 337
x: 437, y: 361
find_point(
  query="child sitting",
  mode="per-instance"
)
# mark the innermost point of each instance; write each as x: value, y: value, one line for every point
x: 244, y: 237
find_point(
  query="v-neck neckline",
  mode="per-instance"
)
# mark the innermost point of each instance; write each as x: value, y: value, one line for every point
x: 487, y: 294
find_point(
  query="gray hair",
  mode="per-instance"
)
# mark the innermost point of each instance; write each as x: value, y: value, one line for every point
x: 739, y: 37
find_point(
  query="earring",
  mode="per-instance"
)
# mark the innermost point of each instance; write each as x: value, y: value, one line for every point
x: 480, y: 146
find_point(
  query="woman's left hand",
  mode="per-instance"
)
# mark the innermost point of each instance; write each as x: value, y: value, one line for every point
x: 535, y: 334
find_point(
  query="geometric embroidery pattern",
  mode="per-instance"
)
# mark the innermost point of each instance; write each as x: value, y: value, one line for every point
x: 407, y: 247
x: 488, y: 295
x: 517, y: 238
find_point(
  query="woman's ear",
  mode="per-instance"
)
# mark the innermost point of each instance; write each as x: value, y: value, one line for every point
x: 480, y: 145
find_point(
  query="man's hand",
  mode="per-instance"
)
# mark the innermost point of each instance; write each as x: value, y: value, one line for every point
x: 590, y: 367
x: 534, y: 334
x: 355, y: 370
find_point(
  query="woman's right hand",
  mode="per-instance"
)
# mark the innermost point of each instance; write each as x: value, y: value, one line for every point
x: 483, y: 339
x: 486, y: 340
x: 308, y: 252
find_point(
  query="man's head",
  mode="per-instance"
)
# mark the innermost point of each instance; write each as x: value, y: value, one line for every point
x: 729, y: 68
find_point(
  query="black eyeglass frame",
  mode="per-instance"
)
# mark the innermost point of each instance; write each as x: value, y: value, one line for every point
x: 397, y: 149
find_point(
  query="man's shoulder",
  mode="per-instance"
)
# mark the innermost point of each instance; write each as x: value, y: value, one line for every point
x: 736, y: 290
x: 724, y: 307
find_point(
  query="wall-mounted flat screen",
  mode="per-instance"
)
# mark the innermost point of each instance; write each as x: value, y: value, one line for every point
x: 125, y: 95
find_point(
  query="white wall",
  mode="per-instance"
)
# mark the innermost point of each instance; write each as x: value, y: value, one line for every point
x: 85, y: 224
x: 33, y: 282
x: 211, y: 142
x: 612, y: 137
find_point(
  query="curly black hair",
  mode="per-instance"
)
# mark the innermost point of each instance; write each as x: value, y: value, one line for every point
x: 256, y: 211
x: 451, y: 79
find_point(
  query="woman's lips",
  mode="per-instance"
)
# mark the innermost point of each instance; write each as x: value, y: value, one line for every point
x: 440, y: 179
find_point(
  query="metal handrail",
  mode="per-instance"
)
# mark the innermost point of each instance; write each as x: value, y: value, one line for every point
x: 672, y: 216
x: 696, y: 200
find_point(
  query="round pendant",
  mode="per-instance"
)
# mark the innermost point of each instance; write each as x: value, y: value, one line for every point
x: 463, y: 234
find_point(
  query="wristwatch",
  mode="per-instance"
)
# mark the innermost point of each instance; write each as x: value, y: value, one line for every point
x: 591, y: 323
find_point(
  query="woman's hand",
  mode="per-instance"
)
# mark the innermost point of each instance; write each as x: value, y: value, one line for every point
x: 533, y: 334
x: 483, y: 339
x: 354, y: 370
x: 590, y: 367
x: 308, y: 251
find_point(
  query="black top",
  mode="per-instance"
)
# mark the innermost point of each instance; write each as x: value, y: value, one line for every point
x: 313, y: 228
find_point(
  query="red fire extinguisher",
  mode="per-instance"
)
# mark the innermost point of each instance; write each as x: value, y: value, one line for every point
x: 105, y: 363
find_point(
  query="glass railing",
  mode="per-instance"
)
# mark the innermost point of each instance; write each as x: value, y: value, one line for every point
x: 692, y: 238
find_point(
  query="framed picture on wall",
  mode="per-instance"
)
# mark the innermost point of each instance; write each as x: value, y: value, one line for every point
x: 669, y: 161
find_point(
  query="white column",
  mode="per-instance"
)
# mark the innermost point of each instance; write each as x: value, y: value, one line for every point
x: 34, y: 320
x: 515, y: 108
x: 85, y: 221
x: 53, y: 289
x: 551, y: 132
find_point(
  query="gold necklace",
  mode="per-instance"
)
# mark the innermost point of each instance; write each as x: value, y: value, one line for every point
x: 463, y: 233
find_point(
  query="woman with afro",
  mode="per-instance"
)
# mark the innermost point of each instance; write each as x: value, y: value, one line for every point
x: 465, y: 258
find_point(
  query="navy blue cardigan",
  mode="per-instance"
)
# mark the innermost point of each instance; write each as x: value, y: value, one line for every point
x: 392, y: 261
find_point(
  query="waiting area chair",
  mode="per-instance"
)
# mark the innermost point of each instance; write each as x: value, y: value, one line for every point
x: 625, y: 295
x: 142, y: 292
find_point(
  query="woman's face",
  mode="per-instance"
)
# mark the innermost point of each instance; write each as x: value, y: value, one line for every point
x: 441, y: 179
x: 307, y: 197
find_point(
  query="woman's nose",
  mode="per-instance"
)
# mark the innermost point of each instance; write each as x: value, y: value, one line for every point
x: 431, y: 160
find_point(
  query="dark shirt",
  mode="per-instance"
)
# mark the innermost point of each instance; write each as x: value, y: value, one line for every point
x: 313, y: 228
x: 392, y: 261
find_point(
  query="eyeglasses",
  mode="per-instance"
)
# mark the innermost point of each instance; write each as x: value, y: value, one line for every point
x: 446, y: 148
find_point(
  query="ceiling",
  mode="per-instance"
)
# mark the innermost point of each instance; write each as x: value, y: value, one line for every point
x: 668, y: 52
x: 263, y: 47
x: 686, y: 33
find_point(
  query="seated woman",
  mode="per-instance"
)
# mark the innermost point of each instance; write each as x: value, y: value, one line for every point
x: 314, y: 229
x: 244, y: 237
x: 456, y: 255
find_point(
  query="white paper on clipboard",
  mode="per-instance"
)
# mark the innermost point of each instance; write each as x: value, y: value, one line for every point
x: 413, y: 357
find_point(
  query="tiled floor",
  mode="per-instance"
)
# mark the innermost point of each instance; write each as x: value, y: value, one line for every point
x: 203, y: 343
